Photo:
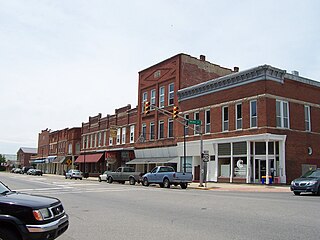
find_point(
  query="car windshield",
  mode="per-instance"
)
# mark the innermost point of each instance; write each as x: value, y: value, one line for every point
x: 3, y: 189
x: 311, y: 174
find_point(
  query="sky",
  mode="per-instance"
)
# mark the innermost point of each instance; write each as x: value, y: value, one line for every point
x: 62, y: 61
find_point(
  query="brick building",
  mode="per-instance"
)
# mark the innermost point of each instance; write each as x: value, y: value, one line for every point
x: 107, y: 142
x: 24, y: 156
x: 158, y: 84
x: 256, y: 123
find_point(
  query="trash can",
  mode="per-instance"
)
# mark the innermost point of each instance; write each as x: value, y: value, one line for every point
x: 263, y: 180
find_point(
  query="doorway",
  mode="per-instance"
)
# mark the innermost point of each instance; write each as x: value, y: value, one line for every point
x: 260, y: 168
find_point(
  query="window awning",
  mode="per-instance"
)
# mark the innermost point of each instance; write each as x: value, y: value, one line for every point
x: 59, y: 159
x: 92, y: 158
x: 153, y: 160
x: 39, y: 161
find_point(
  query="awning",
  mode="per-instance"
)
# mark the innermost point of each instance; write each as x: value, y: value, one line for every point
x: 153, y: 160
x: 59, y: 159
x: 50, y: 159
x: 39, y: 161
x: 92, y: 158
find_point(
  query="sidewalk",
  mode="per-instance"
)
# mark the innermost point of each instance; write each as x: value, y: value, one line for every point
x: 240, y: 187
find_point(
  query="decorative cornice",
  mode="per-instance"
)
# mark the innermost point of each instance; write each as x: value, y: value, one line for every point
x: 264, y: 72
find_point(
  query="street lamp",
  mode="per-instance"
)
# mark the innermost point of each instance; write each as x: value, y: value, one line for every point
x: 84, y: 159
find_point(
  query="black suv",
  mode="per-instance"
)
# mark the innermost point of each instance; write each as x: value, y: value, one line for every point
x: 308, y: 182
x: 30, y: 217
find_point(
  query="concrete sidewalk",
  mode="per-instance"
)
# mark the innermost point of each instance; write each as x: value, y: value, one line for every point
x: 232, y: 186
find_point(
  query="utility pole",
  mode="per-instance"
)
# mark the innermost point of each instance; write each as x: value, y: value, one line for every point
x: 201, y: 158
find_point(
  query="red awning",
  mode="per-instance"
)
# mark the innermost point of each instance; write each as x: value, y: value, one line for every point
x: 92, y: 158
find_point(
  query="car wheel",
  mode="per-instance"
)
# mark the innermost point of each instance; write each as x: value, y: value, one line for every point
x: 161, y: 185
x: 145, y: 182
x: 110, y: 180
x: 166, y: 183
x: 132, y: 181
x: 99, y: 179
x: 296, y: 193
x: 184, y: 185
x: 318, y: 193
x: 80, y: 178
x: 7, y: 234
x: 65, y: 177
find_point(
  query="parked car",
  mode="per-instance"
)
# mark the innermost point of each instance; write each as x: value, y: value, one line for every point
x: 165, y: 176
x: 73, y: 173
x: 24, y: 216
x: 308, y: 182
x: 17, y: 170
x: 29, y: 172
x: 12, y: 170
x: 37, y: 172
x: 103, y: 176
x: 123, y: 174
x: 25, y: 169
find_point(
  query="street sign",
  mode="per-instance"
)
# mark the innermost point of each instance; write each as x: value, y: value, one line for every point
x: 69, y: 161
x: 196, y: 122
x: 205, y: 156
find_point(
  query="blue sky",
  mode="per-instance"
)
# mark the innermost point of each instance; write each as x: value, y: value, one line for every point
x: 65, y: 60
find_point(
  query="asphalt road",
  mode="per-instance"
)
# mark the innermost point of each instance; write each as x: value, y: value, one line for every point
x: 114, y: 211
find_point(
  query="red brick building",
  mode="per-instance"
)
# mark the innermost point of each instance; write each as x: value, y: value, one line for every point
x: 107, y: 142
x: 256, y: 123
x: 24, y: 156
x: 159, y: 84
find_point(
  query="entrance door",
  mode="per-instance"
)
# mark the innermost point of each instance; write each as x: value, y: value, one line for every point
x: 261, y: 168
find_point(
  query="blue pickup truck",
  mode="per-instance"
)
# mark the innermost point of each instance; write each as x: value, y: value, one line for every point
x: 165, y: 176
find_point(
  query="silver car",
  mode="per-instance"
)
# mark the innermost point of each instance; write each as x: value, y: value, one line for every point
x: 73, y: 173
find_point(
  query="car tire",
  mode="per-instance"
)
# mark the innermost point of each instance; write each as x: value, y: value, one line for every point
x: 132, y: 181
x: 296, y: 193
x: 318, y: 193
x: 161, y: 185
x: 166, y: 183
x: 99, y: 179
x: 80, y: 178
x: 110, y: 180
x: 7, y: 234
x: 145, y: 182
x: 184, y: 185
x: 65, y: 177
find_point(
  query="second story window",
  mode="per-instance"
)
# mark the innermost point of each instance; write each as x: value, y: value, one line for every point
x: 144, y: 131
x: 171, y: 94
x: 207, y: 121
x: 161, y: 129
x: 161, y: 97
x: 118, y: 136
x: 196, y: 116
x: 253, y: 114
x: 99, y: 139
x: 239, y: 116
x: 123, y: 136
x: 186, y: 126
x: 153, y: 99
x: 110, y: 141
x: 307, y: 118
x: 152, y: 133
x: 70, y: 148
x: 170, y: 128
x: 282, y: 114
x: 225, y: 118
x: 131, y: 133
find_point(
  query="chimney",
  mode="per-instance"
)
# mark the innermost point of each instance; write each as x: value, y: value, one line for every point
x: 236, y: 69
x: 202, y: 57
x: 296, y: 73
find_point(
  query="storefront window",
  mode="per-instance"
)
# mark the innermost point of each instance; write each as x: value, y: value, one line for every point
x: 224, y: 167
x: 240, y: 167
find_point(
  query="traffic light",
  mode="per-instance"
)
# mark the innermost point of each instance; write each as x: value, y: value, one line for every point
x: 175, y: 112
x: 146, y: 107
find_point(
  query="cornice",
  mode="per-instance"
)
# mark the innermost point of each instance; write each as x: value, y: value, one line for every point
x: 265, y: 72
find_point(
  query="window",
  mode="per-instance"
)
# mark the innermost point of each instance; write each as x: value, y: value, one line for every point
x: 110, y: 141
x: 225, y: 118
x: 123, y: 138
x: 307, y: 119
x: 144, y: 99
x: 170, y: 128
x: 239, y: 116
x: 87, y: 141
x: 105, y: 138
x: 144, y: 131
x: 196, y: 127
x: 282, y: 114
x: 253, y: 114
x: 161, y: 129
x: 132, y: 134
x: 118, y: 136
x: 208, y: 121
x: 171, y: 94
x: 91, y: 140
x: 70, y: 148
x: 186, y: 127
x: 99, y: 139
x: 152, y: 133
x: 161, y: 97
x: 153, y: 99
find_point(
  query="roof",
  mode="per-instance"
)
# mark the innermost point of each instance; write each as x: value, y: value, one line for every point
x: 29, y: 150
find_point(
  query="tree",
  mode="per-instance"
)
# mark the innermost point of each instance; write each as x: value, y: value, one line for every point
x: 2, y: 158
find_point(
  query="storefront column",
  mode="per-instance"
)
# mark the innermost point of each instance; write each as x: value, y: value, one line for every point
x: 282, y: 161
x: 231, y: 164
x: 254, y: 162
x: 267, y: 162
x: 217, y: 163
x: 248, y: 180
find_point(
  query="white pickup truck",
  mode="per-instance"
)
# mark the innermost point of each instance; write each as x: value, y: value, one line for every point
x: 165, y: 176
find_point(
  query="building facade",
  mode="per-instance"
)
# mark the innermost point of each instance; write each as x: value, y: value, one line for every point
x: 262, y: 123
x: 24, y: 156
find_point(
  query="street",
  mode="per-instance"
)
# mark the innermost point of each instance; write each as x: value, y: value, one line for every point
x: 98, y: 210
